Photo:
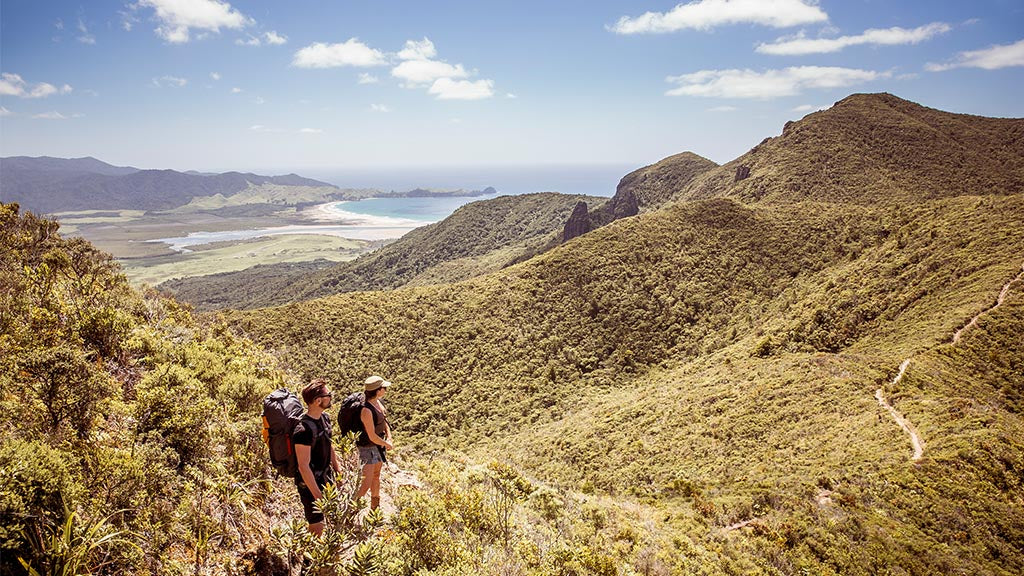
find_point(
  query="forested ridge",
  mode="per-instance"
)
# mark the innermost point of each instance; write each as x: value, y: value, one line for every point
x: 686, y: 391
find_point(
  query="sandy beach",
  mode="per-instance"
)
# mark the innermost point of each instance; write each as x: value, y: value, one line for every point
x: 335, y: 213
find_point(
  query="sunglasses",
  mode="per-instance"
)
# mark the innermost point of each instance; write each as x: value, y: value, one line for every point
x: 328, y: 395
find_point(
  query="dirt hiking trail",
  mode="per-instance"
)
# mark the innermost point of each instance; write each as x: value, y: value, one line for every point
x: 915, y: 440
x: 907, y: 427
x: 999, y: 302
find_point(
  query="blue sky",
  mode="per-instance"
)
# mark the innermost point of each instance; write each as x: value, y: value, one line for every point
x: 270, y: 85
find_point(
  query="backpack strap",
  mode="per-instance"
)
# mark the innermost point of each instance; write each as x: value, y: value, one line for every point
x: 373, y: 411
x: 314, y: 426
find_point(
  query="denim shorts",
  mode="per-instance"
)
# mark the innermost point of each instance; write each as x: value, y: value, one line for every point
x: 370, y: 455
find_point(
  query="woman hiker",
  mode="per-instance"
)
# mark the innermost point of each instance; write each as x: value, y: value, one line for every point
x: 375, y: 438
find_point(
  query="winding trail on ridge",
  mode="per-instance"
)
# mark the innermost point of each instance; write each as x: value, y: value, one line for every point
x: 915, y: 440
x: 999, y: 302
x: 907, y: 427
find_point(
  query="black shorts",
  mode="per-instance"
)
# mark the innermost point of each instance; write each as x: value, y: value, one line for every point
x: 312, y: 515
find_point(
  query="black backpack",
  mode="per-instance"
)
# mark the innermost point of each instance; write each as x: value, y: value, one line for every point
x: 350, y: 412
x: 282, y: 410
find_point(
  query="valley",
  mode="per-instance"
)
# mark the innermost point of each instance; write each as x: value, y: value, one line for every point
x: 144, y: 242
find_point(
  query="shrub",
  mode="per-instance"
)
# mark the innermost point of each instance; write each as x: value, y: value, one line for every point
x: 66, y: 386
x: 36, y: 484
x: 424, y: 540
x: 173, y: 408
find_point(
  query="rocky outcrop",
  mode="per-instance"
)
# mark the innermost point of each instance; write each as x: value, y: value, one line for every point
x: 742, y: 173
x: 578, y: 223
x: 647, y: 188
x: 624, y: 204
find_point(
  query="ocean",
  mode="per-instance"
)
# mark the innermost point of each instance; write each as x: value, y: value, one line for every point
x: 592, y: 179
x: 388, y: 218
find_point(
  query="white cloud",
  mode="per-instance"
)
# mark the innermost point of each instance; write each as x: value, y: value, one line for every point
x: 417, y: 68
x: 887, y: 37
x: 767, y: 84
x: 992, y: 58
x: 418, y: 50
x: 706, y: 14
x: 271, y: 37
x: 14, y: 85
x: 366, y: 78
x: 422, y: 72
x: 259, y: 101
x: 449, y: 89
x: 215, y: 75
x: 809, y: 108
x: 311, y: 131
x: 85, y: 37
x: 350, y: 53
x: 379, y: 108
x: 50, y: 116
x: 59, y: 24
x: 446, y: 81
x: 511, y: 96
x: 172, y: 81
x: 178, y: 17
x: 236, y: 90
x: 5, y: 112
x: 723, y: 109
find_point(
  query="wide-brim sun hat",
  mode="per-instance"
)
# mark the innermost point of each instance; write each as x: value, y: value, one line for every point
x: 375, y: 383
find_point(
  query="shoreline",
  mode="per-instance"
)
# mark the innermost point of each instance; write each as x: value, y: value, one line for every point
x: 330, y: 212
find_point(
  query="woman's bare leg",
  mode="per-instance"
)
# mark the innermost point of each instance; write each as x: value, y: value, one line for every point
x: 367, y: 480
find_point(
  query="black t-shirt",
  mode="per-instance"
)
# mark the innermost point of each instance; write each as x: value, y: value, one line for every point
x: 320, y: 445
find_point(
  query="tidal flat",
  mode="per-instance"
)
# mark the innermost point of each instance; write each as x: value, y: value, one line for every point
x: 133, y: 238
x: 232, y: 256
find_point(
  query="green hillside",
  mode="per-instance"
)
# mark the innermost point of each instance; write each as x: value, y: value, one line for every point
x: 875, y: 148
x: 660, y: 182
x: 714, y: 363
x: 130, y: 429
x: 479, y: 237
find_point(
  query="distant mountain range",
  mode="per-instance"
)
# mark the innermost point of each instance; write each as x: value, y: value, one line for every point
x: 50, y: 185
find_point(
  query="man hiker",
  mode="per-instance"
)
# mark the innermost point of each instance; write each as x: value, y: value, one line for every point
x: 374, y: 439
x: 318, y: 463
